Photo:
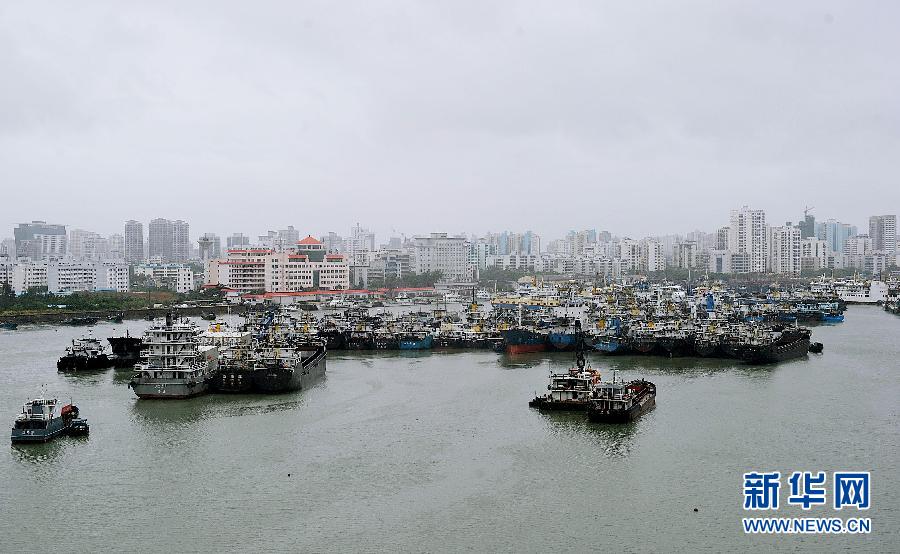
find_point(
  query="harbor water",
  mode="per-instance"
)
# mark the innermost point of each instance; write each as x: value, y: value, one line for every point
x: 438, y: 451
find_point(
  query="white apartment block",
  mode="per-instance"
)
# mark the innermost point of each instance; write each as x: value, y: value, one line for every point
x: 747, y: 235
x: 652, y: 256
x: 813, y: 253
x: 440, y: 252
x: 28, y: 274
x: 307, y: 266
x: 785, y: 252
x: 883, y: 232
x: 64, y: 277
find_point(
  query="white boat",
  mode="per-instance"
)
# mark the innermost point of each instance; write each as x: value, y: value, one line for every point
x: 175, y: 364
x: 338, y: 304
x: 452, y: 298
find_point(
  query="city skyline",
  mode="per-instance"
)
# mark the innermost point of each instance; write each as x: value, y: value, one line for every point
x: 196, y: 233
x: 464, y: 118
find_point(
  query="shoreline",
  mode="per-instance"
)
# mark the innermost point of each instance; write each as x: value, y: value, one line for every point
x: 60, y: 316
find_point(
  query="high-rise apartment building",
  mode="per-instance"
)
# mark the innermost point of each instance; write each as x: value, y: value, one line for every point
x: 883, y: 232
x: 786, y: 251
x: 161, y: 240
x: 181, y: 241
x: 134, y: 241
x: 747, y: 235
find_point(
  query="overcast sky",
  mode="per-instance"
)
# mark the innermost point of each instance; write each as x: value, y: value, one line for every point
x: 636, y: 117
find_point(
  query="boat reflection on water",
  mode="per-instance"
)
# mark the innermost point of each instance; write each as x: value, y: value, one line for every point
x: 42, y: 452
x: 161, y: 415
x: 613, y: 441
x: 524, y: 360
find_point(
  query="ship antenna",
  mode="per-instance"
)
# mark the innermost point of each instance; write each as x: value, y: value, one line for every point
x: 579, y: 345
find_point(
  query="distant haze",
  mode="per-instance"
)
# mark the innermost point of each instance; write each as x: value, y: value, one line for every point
x: 638, y: 118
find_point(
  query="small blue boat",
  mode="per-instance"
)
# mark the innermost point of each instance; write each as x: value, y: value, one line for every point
x: 416, y: 341
x: 832, y: 318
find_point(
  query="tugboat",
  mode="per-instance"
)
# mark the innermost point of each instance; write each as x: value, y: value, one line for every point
x: 85, y: 354
x: 39, y: 421
x: 570, y: 391
x: 126, y: 350
x: 777, y: 345
x: 175, y: 364
x: 620, y: 402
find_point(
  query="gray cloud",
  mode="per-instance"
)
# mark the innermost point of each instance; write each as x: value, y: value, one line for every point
x: 640, y: 118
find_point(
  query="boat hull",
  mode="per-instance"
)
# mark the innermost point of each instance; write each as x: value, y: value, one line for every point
x: 562, y: 342
x: 796, y: 348
x: 232, y: 380
x: 168, y: 390
x: 610, y: 345
x: 545, y: 404
x: 521, y: 341
x: 83, y: 363
x: 277, y: 380
x: 622, y: 416
x: 56, y: 427
x: 417, y: 344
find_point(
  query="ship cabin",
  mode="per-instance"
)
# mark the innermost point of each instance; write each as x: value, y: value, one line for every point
x: 614, y: 395
x: 574, y: 385
x: 36, y: 414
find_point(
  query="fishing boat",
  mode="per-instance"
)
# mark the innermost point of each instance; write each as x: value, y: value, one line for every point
x: 572, y: 390
x: 126, y: 350
x: 620, y: 402
x: 832, y: 317
x: 522, y: 340
x: 707, y: 344
x: 9, y: 325
x: 416, y: 340
x: 610, y: 344
x: 84, y: 354
x: 561, y: 339
x: 40, y: 422
x: 643, y: 341
x: 777, y: 345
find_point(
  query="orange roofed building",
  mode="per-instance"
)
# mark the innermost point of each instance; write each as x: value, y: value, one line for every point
x: 306, y: 266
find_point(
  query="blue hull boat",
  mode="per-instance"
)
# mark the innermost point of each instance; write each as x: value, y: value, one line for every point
x: 424, y: 343
x: 562, y: 341
x: 610, y: 345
